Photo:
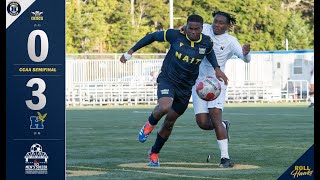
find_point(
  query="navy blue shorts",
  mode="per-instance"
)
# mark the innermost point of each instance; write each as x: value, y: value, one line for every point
x: 181, y: 95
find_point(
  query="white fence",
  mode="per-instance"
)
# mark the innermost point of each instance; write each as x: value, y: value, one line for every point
x: 94, y: 79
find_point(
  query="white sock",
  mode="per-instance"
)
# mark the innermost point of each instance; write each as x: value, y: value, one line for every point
x: 223, y: 146
x: 311, y: 99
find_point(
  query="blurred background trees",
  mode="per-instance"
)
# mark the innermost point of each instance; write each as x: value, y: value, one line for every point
x: 113, y: 26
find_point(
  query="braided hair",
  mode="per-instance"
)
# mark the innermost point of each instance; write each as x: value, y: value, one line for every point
x: 231, y: 20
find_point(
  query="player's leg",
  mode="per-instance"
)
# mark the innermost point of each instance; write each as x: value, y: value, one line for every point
x: 222, y: 137
x: 201, y: 111
x: 177, y: 109
x: 165, y: 99
x: 312, y: 91
x: 221, y: 128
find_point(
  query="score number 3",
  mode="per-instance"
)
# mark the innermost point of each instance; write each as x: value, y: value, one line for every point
x: 43, y: 55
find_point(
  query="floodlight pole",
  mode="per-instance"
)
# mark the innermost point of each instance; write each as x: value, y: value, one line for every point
x: 171, y: 14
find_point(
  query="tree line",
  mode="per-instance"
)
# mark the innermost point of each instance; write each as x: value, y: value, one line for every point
x: 113, y: 26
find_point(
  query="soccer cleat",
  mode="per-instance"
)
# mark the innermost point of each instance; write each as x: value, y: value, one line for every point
x: 311, y: 105
x: 226, y: 163
x: 208, y: 158
x: 227, y: 123
x: 145, y: 132
x: 154, y: 159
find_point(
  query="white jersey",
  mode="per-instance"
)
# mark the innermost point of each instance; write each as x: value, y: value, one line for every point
x: 312, y: 71
x: 224, y: 46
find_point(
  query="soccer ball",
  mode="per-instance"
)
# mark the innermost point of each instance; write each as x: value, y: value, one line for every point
x: 208, y: 89
x: 36, y: 148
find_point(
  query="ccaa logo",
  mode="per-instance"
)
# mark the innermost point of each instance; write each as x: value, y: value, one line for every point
x: 13, y: 8
x: 37, y: 16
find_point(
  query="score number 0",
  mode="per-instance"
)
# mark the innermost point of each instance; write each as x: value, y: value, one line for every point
x: 43, y: 55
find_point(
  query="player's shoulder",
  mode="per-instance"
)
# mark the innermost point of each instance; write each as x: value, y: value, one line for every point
x: 206, y: 27
x: 172, y: 31
x: 231, y: 37
x: 206, y: 38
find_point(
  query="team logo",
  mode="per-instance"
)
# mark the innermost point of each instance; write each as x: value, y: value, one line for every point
x: 202, y: 50
x: 36, y: 122
x: 13, y: 8
x: 37, y: 16
x: 222, y: 48
x: 301, y: 171
x: 36, y: 160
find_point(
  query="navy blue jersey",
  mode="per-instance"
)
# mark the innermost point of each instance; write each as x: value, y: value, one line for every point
x: 181, y: 64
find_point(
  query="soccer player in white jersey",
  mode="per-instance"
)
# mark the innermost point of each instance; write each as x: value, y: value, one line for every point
x: 209, y: 113
x: 312, y: 84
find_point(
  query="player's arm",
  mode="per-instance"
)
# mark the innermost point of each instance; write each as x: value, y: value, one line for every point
x: 242, y: 52
x: 213, y: 60
x: 159, y: 36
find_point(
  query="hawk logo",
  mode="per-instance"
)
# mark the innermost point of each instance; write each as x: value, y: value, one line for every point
x: 222, y: 48
x: 37, y: 121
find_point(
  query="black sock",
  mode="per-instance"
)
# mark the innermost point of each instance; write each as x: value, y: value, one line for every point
x: 152, y: 120
x: 158, y: 144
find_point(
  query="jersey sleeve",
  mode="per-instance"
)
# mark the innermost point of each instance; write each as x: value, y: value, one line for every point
x: 160, y: 36
x: 238, y: 51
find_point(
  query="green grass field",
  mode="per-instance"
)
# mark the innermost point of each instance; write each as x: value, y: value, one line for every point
x: 265, y: 140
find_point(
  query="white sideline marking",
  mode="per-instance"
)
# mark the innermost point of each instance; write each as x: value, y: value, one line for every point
x: 246, y: 114
x: 146, y: 165
x: 142, y: 112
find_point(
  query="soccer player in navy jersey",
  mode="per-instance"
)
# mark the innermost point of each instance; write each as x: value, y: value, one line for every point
x: 178, y: 74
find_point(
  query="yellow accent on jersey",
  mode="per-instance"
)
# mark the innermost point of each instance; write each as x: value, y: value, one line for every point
x: 178, y: 55
x: 165, y: 33
x: 192, y: 42
x: 181, y: 44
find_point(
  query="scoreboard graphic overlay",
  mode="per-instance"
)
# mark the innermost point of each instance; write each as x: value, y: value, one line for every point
x: 35, y: 98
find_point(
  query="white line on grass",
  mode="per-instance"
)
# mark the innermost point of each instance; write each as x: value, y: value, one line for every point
x: 148, y: 172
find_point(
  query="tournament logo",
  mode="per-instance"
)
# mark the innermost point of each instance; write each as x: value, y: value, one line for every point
x: 13, y: 8
x: 36, y: 122
x: 36, y: 160
x: 37, y: 16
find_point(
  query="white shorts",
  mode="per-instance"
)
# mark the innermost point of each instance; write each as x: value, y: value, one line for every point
x: 201, y: 106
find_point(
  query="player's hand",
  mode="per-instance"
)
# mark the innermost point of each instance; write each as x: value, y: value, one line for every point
x: 246, y: 49
x: 183, y: 28
x: 221, y: 76
x: 126, y: 56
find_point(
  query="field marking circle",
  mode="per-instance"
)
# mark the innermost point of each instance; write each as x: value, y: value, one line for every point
x: 84, y: 173
x: 201, y: 166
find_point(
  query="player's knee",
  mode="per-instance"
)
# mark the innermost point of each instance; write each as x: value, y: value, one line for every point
x: 204, y: 124
x: 164, y: 108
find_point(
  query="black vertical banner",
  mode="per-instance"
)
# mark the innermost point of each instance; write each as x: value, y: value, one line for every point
x: 35, y: 89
